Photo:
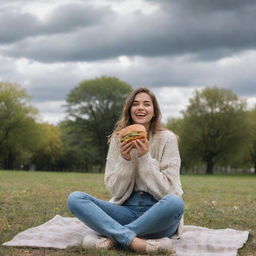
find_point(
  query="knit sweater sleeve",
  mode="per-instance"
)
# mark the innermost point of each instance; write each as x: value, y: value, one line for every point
x: 162, y: 176
x: 119, y: 173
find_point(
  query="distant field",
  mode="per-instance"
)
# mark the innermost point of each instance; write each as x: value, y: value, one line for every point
x: 30, y: 198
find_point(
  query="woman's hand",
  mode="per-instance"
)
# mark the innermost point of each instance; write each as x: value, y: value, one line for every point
x: 125, y: 150
x: 142, y: 146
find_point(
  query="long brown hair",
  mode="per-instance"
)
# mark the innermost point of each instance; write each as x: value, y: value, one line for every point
x: 126, y: 119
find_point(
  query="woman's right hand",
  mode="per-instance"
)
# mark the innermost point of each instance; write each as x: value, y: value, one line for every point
x: 125, y: 149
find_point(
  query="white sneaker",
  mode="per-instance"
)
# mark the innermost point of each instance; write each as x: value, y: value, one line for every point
x: 97, y: 241
x: 105, y: 243
x: 160, y: 245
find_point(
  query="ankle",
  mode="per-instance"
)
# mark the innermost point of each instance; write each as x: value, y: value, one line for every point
x: 138, y: 245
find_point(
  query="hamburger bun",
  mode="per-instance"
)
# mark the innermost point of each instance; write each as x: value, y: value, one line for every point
x: 132, y: 132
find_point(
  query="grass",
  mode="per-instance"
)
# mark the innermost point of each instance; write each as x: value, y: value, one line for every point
x: 31, y: 198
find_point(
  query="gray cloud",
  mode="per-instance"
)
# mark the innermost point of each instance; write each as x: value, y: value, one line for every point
x: 216, y: 5
x: 207, y: 31
x: 16, y: 25
x: 69, y: 17
x: 205, y: 5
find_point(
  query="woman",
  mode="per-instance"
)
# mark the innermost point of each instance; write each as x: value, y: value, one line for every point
x: 143, y: 177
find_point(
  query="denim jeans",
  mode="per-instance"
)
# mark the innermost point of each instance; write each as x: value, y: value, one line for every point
x: 139, y: 216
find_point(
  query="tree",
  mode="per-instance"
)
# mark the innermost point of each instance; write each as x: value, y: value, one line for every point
x: 252, y: 136
x: 214, y: 129
x: 50, y: 148
x: 18, y: 128
x: 93, y: 108
x: 78, y: 155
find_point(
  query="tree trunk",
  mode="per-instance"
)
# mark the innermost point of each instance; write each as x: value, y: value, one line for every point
x: 209, y: 166
x: 255, y: 168
x: 8, y: 162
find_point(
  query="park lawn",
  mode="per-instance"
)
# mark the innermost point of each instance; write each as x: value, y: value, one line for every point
x: 28, y: 199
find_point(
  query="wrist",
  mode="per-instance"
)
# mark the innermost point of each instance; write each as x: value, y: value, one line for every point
x: 141, y: 155
x: 126, y: 157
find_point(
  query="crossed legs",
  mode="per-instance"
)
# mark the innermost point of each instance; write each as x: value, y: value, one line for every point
x: 123, y: 224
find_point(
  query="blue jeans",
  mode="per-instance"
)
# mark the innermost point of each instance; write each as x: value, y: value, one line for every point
x: 139, y: 216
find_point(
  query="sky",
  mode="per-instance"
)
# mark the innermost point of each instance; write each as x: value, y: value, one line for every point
x: 172, y: 47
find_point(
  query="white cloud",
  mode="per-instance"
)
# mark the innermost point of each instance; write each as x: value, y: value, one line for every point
x: 50, y: 111
x: 173, y: 100
x: 251, y: 102
x: 130, y: 6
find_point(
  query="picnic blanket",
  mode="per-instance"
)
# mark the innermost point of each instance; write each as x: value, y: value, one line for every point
x: 62, y: 232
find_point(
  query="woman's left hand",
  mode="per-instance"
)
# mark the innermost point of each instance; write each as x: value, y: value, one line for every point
x: 142, y: 146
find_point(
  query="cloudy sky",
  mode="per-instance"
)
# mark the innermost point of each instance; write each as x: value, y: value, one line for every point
x: 170, y: 46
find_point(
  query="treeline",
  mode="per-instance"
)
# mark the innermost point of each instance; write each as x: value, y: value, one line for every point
x: 216, y: 130
x: 216, y: 133
x: 79, y: 143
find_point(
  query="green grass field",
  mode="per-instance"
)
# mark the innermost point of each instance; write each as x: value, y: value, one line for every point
x: 30, y: 198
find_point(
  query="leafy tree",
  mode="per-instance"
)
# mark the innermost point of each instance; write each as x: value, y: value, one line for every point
x: 18, y: 128
x: 78, y: 155
x: 93, y: 108
x: 252, y: 136
x: 50, y: 148
x: 214, y: 128
x: 176, y: 125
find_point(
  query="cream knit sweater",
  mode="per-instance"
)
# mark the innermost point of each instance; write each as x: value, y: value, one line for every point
x: 157, y: 172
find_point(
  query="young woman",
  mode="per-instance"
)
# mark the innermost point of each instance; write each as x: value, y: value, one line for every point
x: 143, y: 177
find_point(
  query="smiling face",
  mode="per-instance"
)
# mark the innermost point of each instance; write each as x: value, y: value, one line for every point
x: 142, y: 110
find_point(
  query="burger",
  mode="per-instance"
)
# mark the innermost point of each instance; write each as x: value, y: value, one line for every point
x: 132, y: 132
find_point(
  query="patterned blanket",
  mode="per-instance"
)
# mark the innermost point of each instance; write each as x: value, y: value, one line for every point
x: 62, y: 232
